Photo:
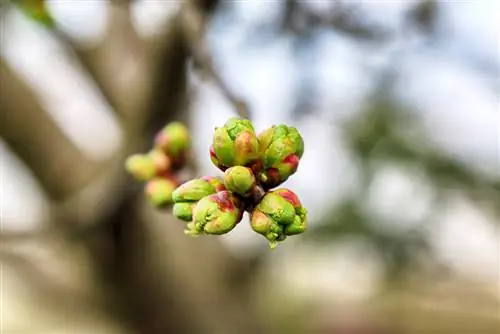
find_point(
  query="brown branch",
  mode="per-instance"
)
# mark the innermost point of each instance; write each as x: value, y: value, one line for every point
x: 121, y: 65
x: 37, y: 139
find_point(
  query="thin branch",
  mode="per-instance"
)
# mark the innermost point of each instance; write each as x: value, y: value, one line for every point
x: 300, y: 18
x: 120, y: 58
x: 194, y: 30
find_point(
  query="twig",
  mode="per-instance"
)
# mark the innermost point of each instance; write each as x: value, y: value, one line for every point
x: 194, y: 25
x: 301, y: 18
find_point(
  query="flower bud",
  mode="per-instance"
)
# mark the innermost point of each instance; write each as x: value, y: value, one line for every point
x: 161, y: 161
x: 193, y: 190
x: 281, y: 148
x: 299, y: 224
x: 184, y: 210
x: 235, y: 143
x: 270, y: 217
x: 216, y: 214
x: 141, y: 167
x: 174, y: 140
x: 277, y: 208
x: 240, y: 180
x: 216, y: 181
x: 278, y: 215
x: 266, y: 226
x: 215, y: 160
x: 159, y: 191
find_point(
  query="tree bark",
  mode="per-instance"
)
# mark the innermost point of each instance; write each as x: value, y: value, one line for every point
x: 38, y: 141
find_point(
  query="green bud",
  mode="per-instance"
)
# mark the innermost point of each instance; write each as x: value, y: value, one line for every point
x: 193, y: 190
x: 184, y: 211
x: 281, y: 148
x: 266, y: 226
x: 141, y: 167
x: 299, y: 224
x: 240, y: 180
x: 277, y: 208
x: 235, y: 143
x: 216, y: 214
x: 215, y: 160
x: 278, y: 215
x: 160, y: 160
x: 173, y: 139
x: 159, y: 191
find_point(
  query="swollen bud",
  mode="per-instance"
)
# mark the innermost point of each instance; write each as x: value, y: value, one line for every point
x: 278, y: 215
x: 160, y: 160
x: 240, y: 180
x: 277, y: 208
x: 215, y: 160
x: 235, y: 144
x: 193, y: 190
x: 159, y: 191
x: 174, y: 140
x: 141, y: 167
x: 299, y: 224
x: 216, y: 214
x: 281, y: 148
x: 187, y: 195
x: 266, y: 226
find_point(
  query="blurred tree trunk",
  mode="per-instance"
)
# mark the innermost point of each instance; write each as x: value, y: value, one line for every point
x: 155, y: 278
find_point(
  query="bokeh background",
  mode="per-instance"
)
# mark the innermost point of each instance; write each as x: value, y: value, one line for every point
x: 398, y: 103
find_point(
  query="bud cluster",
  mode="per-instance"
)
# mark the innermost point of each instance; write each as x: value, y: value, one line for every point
x: 254, y: 166
x: 158, y: 168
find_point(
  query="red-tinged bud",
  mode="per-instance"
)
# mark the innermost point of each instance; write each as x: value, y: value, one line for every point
x: 279, y: 214
x: 216, y: 214
x: 299, y: 224
x: 235, y: 144
x: 267, y: 227
x: 289, y: 196
x: 161, y: 162
x: 141, y: 167
x: 174, y: 140
x: 281, y: 148
x: 159, y: 191
x: 215, y: 160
